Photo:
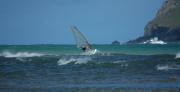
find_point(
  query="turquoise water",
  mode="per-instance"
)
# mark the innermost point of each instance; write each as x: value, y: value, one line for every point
x: 63, y: 68
x: 136, y: 49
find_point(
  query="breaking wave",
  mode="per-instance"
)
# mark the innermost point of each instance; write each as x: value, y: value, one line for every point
x: 168, y: 67
x: 75, y: 60
x: 177, y: 55
x: 8, y: 54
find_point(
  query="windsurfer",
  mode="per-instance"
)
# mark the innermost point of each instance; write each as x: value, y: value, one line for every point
x: 85, y: 48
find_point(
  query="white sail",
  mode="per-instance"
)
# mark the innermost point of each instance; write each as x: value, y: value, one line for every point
x: 81, y: 41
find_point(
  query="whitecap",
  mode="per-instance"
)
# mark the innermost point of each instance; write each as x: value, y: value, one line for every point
x: 79, y: 60
x: 162, y: 67
x: 177, y: 56
x: 168, y: 67
x: 119, y: 61
x: 20, y: 54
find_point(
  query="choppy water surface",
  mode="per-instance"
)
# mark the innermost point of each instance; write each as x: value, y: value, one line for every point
x: 44, y: 68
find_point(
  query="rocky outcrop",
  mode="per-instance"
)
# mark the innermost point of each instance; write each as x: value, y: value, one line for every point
x: 166, y: 24
x: 115, y: 43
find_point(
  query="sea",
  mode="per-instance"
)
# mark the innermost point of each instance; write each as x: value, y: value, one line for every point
x: 64, y: 68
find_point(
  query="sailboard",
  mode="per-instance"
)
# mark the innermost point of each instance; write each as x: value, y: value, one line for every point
x: 81, y: 42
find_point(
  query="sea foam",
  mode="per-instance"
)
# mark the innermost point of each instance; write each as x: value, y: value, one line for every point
x: 177, y: 55
x: 20, y: 54
x: 168, y: 67
x: 79, y: 60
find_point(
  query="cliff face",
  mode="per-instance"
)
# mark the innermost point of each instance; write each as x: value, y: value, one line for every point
x: 165, y: 25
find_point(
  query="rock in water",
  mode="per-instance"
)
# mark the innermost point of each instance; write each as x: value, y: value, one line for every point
x: 115, y: 43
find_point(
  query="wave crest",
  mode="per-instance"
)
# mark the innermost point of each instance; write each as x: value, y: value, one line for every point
x: 177, y: 55
x: 20, y: 54
x: 168, y: 67
x: 79, y: 60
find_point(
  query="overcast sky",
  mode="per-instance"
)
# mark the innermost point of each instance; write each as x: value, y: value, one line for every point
x: 49, y: 21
